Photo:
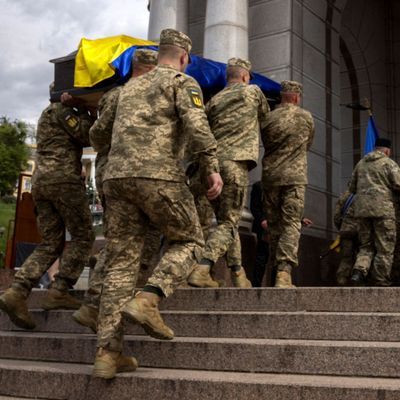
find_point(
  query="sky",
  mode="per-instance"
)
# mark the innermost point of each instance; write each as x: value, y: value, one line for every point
x: 34, y: 31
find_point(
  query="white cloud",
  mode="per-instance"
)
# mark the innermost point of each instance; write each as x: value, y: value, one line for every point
x: 33, y: 32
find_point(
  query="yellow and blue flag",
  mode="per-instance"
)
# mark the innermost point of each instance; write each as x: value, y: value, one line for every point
x: 100, y: 59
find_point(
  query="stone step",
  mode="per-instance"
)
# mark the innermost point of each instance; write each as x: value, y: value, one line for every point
x: 374, y: 359
x: 233, y: 324
x: 59, y: 381
x: 273, y: 299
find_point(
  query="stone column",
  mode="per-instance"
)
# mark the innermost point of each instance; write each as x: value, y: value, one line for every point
x: 226, y: 29
x: 167, y: 14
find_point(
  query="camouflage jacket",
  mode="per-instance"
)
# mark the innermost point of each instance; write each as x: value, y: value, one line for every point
x: 61, y: 134
x: 287, y: 137
x: 345, y: 222
x: 155, y: 114
x: 235, y: 115
x: 374, y: 180
x: 102, y: 129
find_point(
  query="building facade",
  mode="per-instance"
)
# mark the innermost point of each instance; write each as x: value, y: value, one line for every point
x: 342, y: 51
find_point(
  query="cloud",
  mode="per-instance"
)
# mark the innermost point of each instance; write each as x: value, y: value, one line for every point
x: 33, y: 32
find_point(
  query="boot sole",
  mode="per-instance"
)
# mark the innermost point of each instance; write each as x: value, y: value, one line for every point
x: 82, y: 322
x: 21, y: 323
x: 47, y: 307
x: 102, y: 375
x: 145, y: 325
x: 203, y: 286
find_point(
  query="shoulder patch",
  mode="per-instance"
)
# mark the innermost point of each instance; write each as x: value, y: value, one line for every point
x: 195, y: 97
x: 71, y: 120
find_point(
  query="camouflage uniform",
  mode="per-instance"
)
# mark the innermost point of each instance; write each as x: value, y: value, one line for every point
x: 374, y: 180
x: 287, y: 137
x: 144, y: 181
x: 206, y: 216
x: 395, y: 275
x: 235, y: 115
x: 60, y: 199
x: 152, y: 239
x: 348, y: 228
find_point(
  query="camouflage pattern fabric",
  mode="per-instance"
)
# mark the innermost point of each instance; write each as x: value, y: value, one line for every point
x: 131, y: 204
x: 377, y: 242
x: 102, y: 130
x: 62, y: 133
x: 374, y: 180
x: 59, y: 207
x: 236, y: 115
x: 157, y: 112
x: 206, y: 216
x: 348, y: 227
x: 228, y: 208
x: 287, y: 136
x: 348, y: 252
x: 284, y: 209
x: 395, y: 275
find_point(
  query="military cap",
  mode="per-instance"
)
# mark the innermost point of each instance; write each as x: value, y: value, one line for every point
x: 145, y: 56
x: 383, y: 142
x: 239, y: 62
x: 291, y: 87
x: 176, y: 38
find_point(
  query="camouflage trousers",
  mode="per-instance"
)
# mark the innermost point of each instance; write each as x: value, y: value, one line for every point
x: 284, y: 208
x: 206, y: 216
x: 228, y: 208
x: 59, y: 207
x: 348, y: 252
x: 131, y: 204
x: 377, y: 243
x: 149, y: 257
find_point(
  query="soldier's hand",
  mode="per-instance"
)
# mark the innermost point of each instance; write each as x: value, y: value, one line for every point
x: 215, y: 185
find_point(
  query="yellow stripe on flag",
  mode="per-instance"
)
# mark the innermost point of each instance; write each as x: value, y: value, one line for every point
x: 94, y: 58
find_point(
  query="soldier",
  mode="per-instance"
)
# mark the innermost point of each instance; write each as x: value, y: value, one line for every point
x: 287, y: 137
x: 348, y: 228
x: 61, y: 203
x: 375, y: 180
x: 235, y: 115
x: 206, y: 216
x: 144, y: 60
x: 144, y: 182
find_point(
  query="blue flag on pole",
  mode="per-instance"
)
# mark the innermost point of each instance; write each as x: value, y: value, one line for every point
x: 370, y: 136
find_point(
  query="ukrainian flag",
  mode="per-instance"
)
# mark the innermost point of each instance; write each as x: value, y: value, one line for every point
x: 99, y: 59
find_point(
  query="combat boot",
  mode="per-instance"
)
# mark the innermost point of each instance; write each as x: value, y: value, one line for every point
x: 239, y: 279
x: 13, y: 302
x: 200, y: 277
x: 87, y: 316
x: 357, y: 278
x: 143, y: 310
x: 284, y: 280
x: 57, y: 299
x: 108, y: 363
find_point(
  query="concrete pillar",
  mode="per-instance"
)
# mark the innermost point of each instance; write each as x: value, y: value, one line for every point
x: 167, y: 14
x: 226, y: 29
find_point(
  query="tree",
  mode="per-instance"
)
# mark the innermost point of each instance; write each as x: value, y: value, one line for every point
x: 14, y: 153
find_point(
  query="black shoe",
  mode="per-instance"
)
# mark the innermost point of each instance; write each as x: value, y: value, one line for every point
x: 357, y: 279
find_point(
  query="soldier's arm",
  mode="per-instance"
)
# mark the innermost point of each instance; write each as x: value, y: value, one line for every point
x: 77, y: 125
x: 311, y: 126
x: 263, y: 109
x: 395, y: 177
x: 190, y: 108
x: 101, y: 132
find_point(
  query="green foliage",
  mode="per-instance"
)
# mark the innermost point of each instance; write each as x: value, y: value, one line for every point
x: 14, y: 153
x: 7, y: 213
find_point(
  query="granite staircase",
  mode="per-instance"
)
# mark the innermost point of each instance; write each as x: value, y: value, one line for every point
x: 297, y: 344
